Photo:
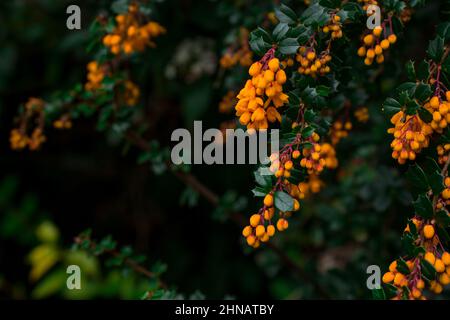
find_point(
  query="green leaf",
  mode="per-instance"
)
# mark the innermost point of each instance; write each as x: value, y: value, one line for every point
x: 119, y: 6
x: 408, y: 243
x: 443, y: 30
x: 425, y: 115
x: 412, y: 107
x: 402, y: 266
x: 285, y: 14
x: 300, y: 32
x: 391, y: 106
x: 436, y: 49
x: 407, y: 88
x: 260, y: 41
x: 443, y: 218
x: 332, y: 4
x: 309, y: 115
x: 280, y: 31
x: 312, y: 97
x: 353, y: 11
x: 283, y: 201
x: 263, y: 177
x: 259, y: 191
x: 417, y: 178
x: 378, y: 294
x: 446, y: 66
x: 307, y: 132
x: 423, y: 70
x: 260, y: 32
x: 429, y: 166
x: 410, y: 71
x: 391, y: 291
x: 443, y: 235
x: 428, y: 270
x: 412, y: 227
x: 436, y: 181
x: 315, y: 15
x: 423, y: 92
x: 323, y: 91
x: 423, y: 206
x: 288, y: 46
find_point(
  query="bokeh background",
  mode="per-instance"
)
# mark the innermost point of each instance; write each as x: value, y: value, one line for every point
x: 85, y: 179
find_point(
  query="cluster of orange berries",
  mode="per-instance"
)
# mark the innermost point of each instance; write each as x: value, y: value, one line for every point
x: 19, y: 139
x: 311, y: 63
x: 95, y: 76
x: 413, y: 281
x: 442, y: 151
x: 254, y: 107
x: 130, y: 35
x: 228, y: 102
x: 399, y: 280
x: 440, y: 111
x: 312, y: 185
x: 373, y: 47
x: 261, y: 228
x: 243, y: 55
x: 289, y: 62
x: 318, y: 157
x: 131, y: 93
x: 62, y: 123
x: 282, y: 168
x: 445, y: 194
x: 339, y: 130
x: 334, y: 26
x: 411, y: 134
x: 362, y: 114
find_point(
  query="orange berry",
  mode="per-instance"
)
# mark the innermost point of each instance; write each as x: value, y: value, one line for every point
x: 392, y: 38
x: 388, y: 277
x: 247, y: 231
x: 428, y: 231
x: 268, y: 200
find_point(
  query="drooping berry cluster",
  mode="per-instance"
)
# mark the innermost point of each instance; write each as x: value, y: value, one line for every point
x: 411, y: 135
x: 63, y: 122
x: 228, y: 102
x: 442, y: 151
x: 439, y: 108
x: 339, y: 130
x: 131, y: 93
x: 23, y: 136
x: 334, y: 26
x: 318, y: 156
x: 238, y: 54
x: 409, y: 281
x: 95, y: 76
x: 131, y: 34
x: 312, y: 185
x: 311, y: 63
x: 263, y: 94
x: 362, y: 114
x: 373, y: 45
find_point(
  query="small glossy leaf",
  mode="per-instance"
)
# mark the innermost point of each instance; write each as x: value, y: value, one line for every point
x: 283, y: 201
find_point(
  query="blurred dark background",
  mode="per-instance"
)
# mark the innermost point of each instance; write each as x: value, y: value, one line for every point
x: 82, y: 179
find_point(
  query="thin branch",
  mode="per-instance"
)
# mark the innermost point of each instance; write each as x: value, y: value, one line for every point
x: 191, y: 181
x: 127, y: 261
